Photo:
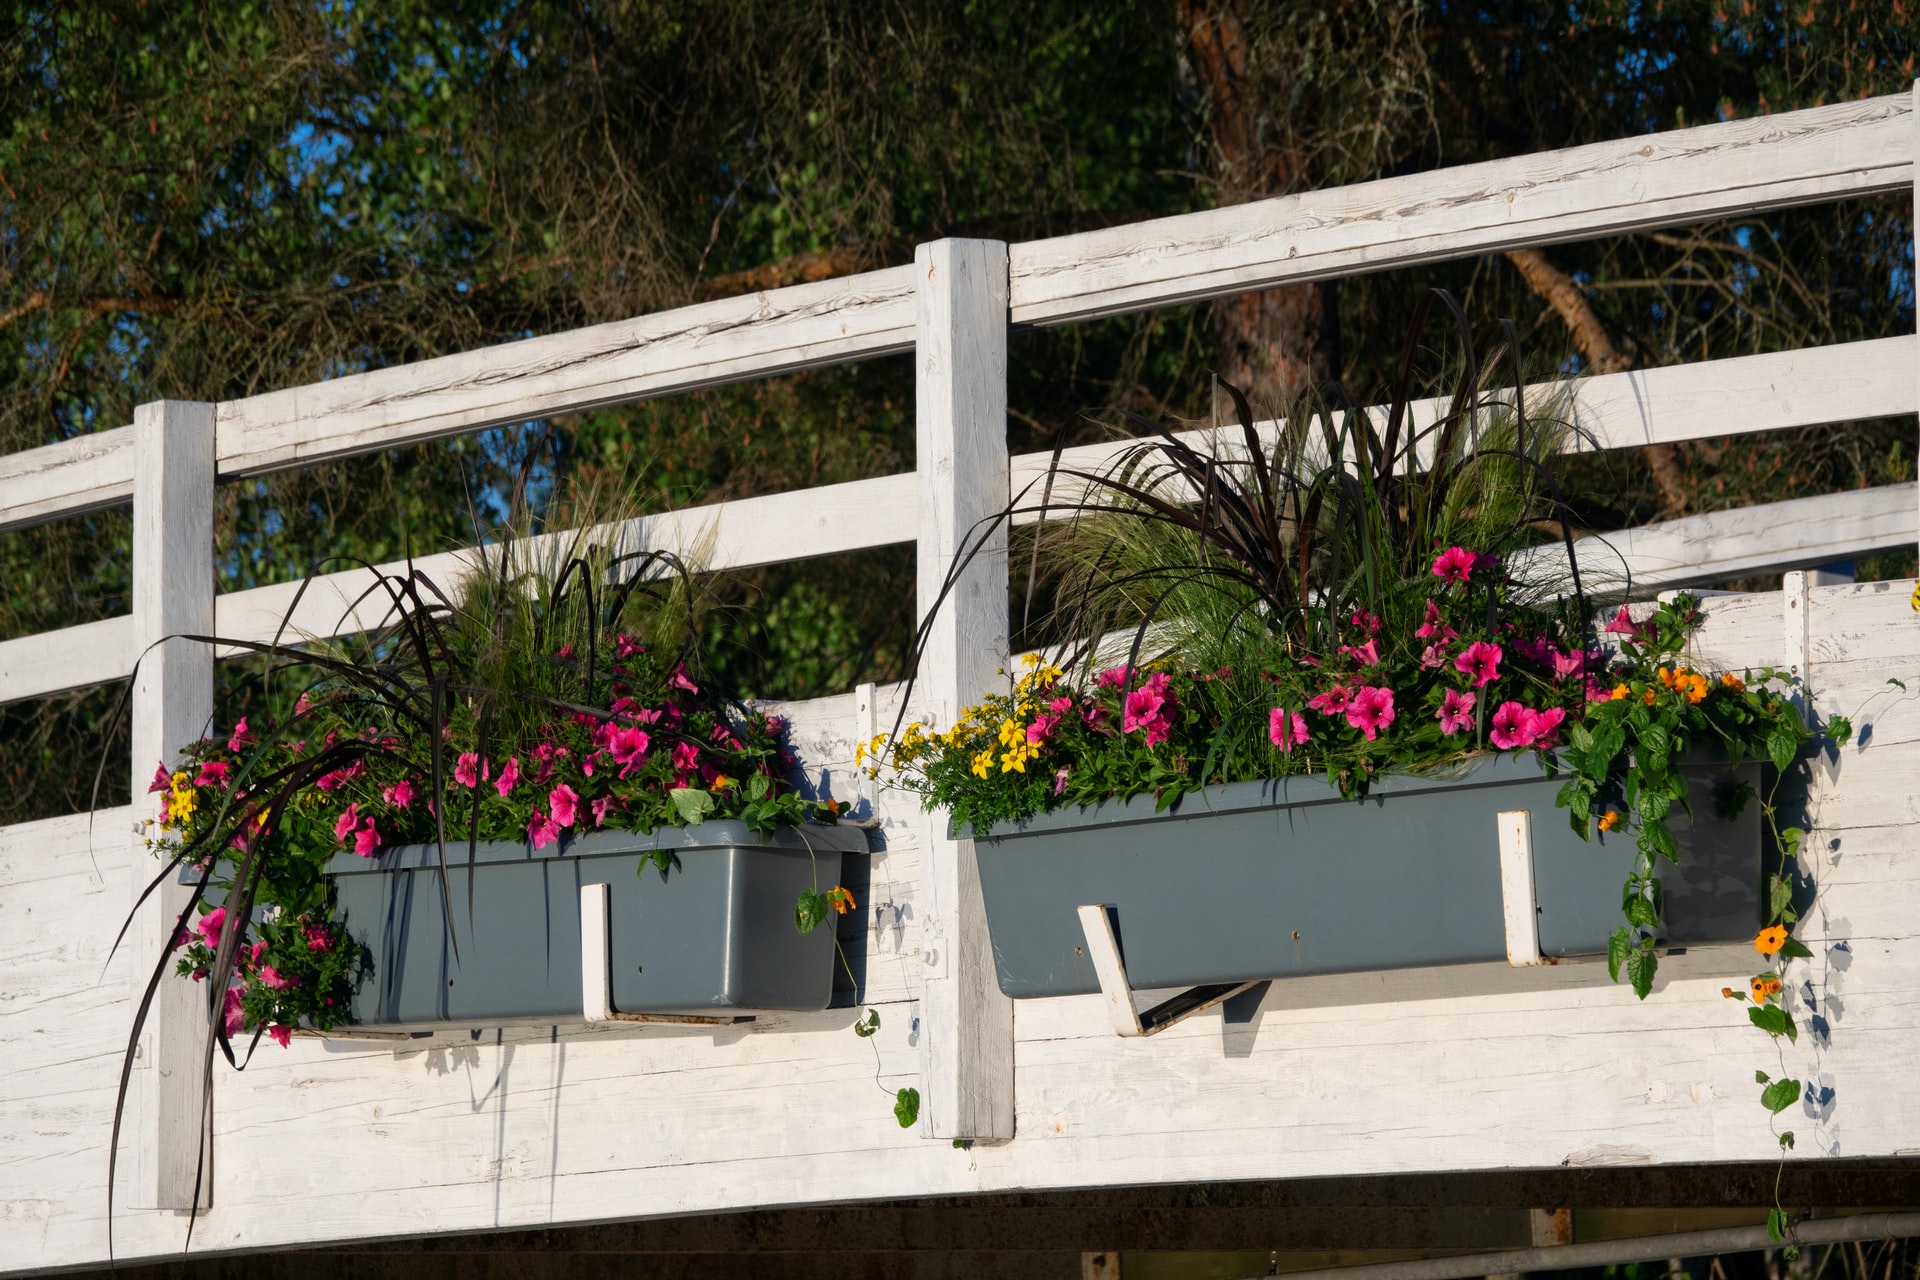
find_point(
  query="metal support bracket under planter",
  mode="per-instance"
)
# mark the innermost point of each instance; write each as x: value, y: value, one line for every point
x: 596, y: 969
x: 1103, y: 949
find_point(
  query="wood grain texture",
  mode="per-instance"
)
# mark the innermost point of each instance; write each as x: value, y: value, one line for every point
x: 756, y: 336
x: 960, y: 408
x: 1606, y: 188
x: 70, y: 478
x: 1464, y: 1068
x: 1742, y: 542
x: 172, y: 704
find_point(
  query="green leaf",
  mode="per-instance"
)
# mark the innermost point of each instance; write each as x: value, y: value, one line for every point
x: 757, y: 789
x: 1790, y: 841
x: 868, y: 1024
x: 1786, y: 1140
x: 1581, y: 738
x: 1796, y: 950
x: 810, y: 911
x: 692, y: 804
x: 1776, y: 1224
x: 906, y: 1107
x: 1618, y: 943
x: 1840, y: 728
x: 1655, y: 744
x: 1780, y: 1095
x: 1779, y: 897
x: 1640, y: 912
x: 1782, y: 746
x: 1772, y: 1019
x: 1654, y: 805
x: 1761, y: 1077
x: 1640, y: 969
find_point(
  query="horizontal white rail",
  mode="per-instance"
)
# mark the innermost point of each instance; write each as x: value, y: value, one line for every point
x: 1693, y: 551
x: 71, y: 478
x: 1606, y: 188
x: 1826, y: 153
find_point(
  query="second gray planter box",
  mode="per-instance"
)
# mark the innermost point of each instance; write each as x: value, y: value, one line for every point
x: 1281, y: 878
x: 712, y: 935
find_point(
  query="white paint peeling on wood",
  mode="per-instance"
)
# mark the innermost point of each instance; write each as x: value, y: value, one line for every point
x: 1514, y: 829
x: 70, y: 478
x: 1606, y: 188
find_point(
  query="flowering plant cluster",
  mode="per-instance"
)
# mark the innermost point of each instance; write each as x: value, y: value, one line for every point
x: 1471, y: 668
x: 659, y: 754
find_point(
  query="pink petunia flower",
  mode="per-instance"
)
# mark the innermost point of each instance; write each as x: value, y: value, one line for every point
x: 279, y: 1034
x: 1513, y: 726
x: 1060, y: 706
x: 628, y: 747
x: 509, y: 777
x: 1095, y: 719
x: 1333, y: 701
x: 366, y: 841
x: 1361, y: 618
x: 349, y: 819
x: 678, y: 680
x: 1456, y: 711
x: 1455, y: 564
x: 1042, y: 728
x: 1435, y: 626
x: 271, y: 977
x: 1481, y: 660
x: 233, y: 1018
x: 1150, y: 708
x: 1371, y: 710
x: 161, y: 780
x: 1434, y: 656
x: 1287, y: 729
x: 1545, y: 724
x: 1624, y: 625
x: 542, y: 830
x: 210, y: 924
x: 624, y: 647
x: 1114, y: 677
x: 318, y: 939
x: 600, y: 808
x: 468, y: 771
x: 564, y: 802
x: 1365, y: 655
x: 1060, y: 780
x: 337, y: 778
x: 685, y: 756
x: 400, y: 794
x: 242, y: 736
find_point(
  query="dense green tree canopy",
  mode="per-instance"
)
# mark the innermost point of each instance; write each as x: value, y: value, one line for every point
x: 208, y: 200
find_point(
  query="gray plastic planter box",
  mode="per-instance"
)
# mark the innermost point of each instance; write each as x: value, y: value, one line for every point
x: 1282, y: 878
x: 713, y: 935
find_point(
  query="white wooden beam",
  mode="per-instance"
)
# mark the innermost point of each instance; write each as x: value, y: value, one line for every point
x: 1743, y: 542
x: 756, y: 336
x: 960, y: 405
x: 1103, y: 953
x: 172, y: 704
x: 1607, y: 188
x: 71, y: 478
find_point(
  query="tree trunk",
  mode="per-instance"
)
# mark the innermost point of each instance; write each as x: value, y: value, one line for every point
x: 1275, y: 343
x: 1590, y: 337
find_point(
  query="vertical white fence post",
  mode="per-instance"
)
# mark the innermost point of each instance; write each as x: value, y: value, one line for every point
x: 173, y: 477
x: 960, y: 408
x: 1916, y: 224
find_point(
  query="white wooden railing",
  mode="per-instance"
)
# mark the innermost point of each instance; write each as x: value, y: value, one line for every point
x: 953, y: 307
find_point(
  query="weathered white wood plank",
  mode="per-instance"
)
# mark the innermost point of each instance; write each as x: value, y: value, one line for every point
x: 75, y: 476
x: 1607, y: 188
x: 757, y: 336
x: 71, y: 658
x: 960, y: 406
x: 172, y: 703
x: 1767, y: 538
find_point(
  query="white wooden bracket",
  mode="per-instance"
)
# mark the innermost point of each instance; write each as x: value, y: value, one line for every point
x: 1103, y: 950
x: 596, y: 969
x: 1517, y: 897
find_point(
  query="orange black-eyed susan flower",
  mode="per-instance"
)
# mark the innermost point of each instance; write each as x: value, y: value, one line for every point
x: 1763, y: 986
x: 841, y: 900
x: 1770, y: 939
x: 1649, y: 697
x: 1728, y: 993
x: 1620, y: 691
x: 1610, y: 819
x: 1732, y: 681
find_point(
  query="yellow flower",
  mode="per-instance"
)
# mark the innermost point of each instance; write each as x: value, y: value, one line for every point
x: 982, y: 763
x: 179, y: 780
x: 1770, y: 939
x: 1012, y: 733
